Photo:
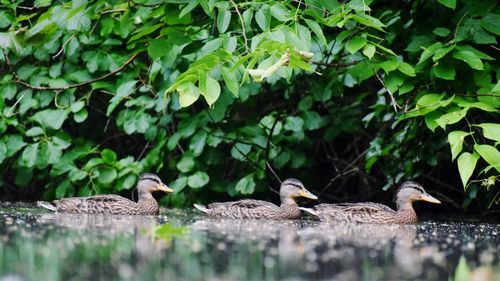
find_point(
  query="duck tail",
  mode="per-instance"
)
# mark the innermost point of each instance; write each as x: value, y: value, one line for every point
x: 46, y: 205
x: 201, y: 208
x: 309, y: 210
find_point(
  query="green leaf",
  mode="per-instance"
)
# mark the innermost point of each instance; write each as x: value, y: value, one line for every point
x: 123, y: 91
x: 368, y: 21
x: 14, y: 144
x: 198, y: 180
x: 126, y: 182
x: 369, y: 51
x: 263, y: 17
x: 62, y: 188
x: 210, y: 89
x: 188, y: 94
x: 470, y: 58
x: 294, y: 124
x: 108, y: 156
x: 451, y: 117
x: 441, y: 52
x: 491, y: 22
x: 179, y: 184
x: 448, y: 3
x: 430, y: 120
x: 223, y: 20
x: 312, y: 120
x: 444, y: 71
x: 231, y: 81
x: 186, y: 164
x: 158, y: 48
x: 441, y: 31
x: 466, y: 164
x: 314, y: 26
x: 389, y: 65
x: 280, y: 12
x: 456, y: 140
x: 406, y: 69
x: 246, y: 185
x: 51, y: 118
x: 240, y: 150
x: 81, y: 116
x: 35, y: 131
x: 30, y: 154
x: 491, y: 131
x: 107, y: 175
x: 198, y: 142
x: 490, y: 154
x: 429, y: 52
x: 141, y: 32
x: 77, y: 106
x: 3, y: 151
x: 54, y: 152
x: 355, y: 44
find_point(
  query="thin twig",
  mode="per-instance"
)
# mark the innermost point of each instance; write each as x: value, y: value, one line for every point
x: 479, y: 95
x: 268, y: 142
x: 243, y: 29
x: 233, y: 139
x: 345, y: 171
x: 336, y: 64
x: 143, y: 151
x: 339, y: 175
x: 395, y: 105
x: 41, y: 88
x: 62, y: 47
x: 113, y: 11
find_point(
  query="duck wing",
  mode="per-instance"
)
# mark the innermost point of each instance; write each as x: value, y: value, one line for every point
x: 99, y: 204
x: 367, y: 212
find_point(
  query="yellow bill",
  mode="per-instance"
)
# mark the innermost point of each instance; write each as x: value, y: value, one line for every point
x: 428, y: 198
x: 164, y: 188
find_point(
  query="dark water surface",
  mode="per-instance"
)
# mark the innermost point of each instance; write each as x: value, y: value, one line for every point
x: 183, y: 245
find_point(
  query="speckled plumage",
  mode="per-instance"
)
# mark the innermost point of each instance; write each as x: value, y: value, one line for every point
x: 257, y: 209
x: 113, y: 204
x: 369, y: 212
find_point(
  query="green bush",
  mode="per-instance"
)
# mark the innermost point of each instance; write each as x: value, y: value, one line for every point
x: 368, y: 92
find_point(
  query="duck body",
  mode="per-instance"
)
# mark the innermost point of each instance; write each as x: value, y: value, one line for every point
x: 257, y: 209
x: 369, y: 212
x: 366, y: 212
x: 113, y: 204
x: 252, y: 209
x: 104, y: 205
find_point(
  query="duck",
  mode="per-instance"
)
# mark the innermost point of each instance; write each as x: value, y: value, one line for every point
x: 114, y: 204
x: 374, y: 213
x: 290, y: 190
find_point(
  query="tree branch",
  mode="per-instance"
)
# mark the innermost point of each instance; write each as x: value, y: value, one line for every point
x: 42, y: 88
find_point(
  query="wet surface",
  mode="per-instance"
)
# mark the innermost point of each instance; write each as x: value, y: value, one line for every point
x: 184, y: 245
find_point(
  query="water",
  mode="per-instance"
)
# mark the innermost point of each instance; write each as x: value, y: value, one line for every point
x: 184, y: 245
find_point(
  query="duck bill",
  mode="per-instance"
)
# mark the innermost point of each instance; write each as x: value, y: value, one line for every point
x: 164, y: 188
x: 428, y: 198
x: 308, y: 195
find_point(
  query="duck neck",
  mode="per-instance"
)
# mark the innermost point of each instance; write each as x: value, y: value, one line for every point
x: 287, y: 201
x: 145, y: 196
x: 406, y: 212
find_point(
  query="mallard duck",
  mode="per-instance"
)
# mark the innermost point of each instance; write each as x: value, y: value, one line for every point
x: 290, y: 190
x: 373, y: 212
x: 114, y: 204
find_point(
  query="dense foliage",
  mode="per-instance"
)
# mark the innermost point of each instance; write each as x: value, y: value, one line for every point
x: 347, y: 96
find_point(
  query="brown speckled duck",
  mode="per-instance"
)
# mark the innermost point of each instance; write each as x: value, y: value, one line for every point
x: 114, y: 204
x: 290, y: 190
x: 369, y: 212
